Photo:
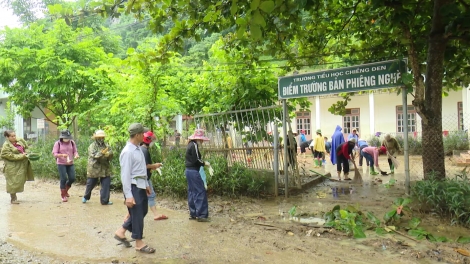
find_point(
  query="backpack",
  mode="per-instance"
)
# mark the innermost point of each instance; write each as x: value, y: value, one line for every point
x: 58, y: 142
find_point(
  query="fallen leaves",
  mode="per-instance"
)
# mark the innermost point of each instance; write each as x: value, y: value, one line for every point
x: 462, y: 252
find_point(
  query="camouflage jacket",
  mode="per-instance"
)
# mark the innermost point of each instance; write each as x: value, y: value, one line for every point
x: 98, y: 164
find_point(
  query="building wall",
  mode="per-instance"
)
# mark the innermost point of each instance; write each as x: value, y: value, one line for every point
x: 383, y: 110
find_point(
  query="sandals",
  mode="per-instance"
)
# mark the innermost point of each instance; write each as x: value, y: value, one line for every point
x: 161, y: 217
x: 146, y: 249
x: 123, y: 241
x: 347, y: 179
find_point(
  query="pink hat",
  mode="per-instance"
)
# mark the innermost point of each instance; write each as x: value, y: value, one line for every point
x: 199, y: 134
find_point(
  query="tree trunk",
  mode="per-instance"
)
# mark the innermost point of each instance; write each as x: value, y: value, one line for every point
x: 433, y: 147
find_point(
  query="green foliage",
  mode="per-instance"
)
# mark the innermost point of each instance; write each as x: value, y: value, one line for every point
x: 399, y: 206
x: 61, y: 69
x: 448, y: 197
x: 8, y: 121
x: 349, y: 220
x: 415, y: 145
x: 456, y: 140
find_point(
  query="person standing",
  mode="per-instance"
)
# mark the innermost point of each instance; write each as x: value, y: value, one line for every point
x: 149, y: 137
x: 336, y: 140
x: 372, y: 156
x: 292, y: 149
x: 197, y: 195
x: 319, y: 149
x: 135, y: 188
x: 354, y: 135
x: 17, y: 168
x: 99, y: 168
x: 343, y: 154
x: 392, y: 146
x: 177, y: 138
x: 303, y: 139
x: 362, y: 144
x: 65, y: 151
x: 327, y: 148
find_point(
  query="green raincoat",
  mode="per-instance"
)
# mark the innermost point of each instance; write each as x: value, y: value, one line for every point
x: 17, y: 168
x: 98, y: 164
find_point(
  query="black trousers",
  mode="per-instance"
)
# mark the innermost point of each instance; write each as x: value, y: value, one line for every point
x: 105, y: 188
x: 135, y: 222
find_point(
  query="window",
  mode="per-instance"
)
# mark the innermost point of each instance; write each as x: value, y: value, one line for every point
x: 460, y: 113
x: 411, y: 119
x: 351, y: 120
x: 303, y: 122
x: 26, y: 127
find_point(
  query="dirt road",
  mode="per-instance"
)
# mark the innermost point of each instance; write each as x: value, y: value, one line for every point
x: 42, y: 229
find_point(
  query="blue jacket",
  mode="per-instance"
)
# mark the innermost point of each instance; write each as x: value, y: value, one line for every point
x: 362, y: 142
x: 336, y: 140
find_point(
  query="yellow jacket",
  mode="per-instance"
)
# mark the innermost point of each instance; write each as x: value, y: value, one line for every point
x: 319, y: 144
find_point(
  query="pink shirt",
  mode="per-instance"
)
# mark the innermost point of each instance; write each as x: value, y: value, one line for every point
x: 64, y: 148
x: 374, y: 152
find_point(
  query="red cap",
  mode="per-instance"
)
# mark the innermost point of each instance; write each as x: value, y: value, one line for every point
x: 382, y: 150
x: 148, y: 137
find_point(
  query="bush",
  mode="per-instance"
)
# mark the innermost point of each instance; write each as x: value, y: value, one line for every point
x: 415, y: 146
x: 238, y: 180
x: 456, y: 140
x: 233, y: 181
x: 447, y: 197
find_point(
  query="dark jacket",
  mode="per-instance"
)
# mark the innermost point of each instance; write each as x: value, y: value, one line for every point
x: 345, y: 150
x: 148, y: 160
x: 193, y: 156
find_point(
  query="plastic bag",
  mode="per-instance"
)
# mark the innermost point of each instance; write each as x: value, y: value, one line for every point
x: 203, y: 176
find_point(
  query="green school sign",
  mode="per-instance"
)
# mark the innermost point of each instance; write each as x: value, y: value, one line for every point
x: 370, y: 76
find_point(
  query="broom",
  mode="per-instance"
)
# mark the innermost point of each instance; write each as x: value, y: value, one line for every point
x: 357, y: 175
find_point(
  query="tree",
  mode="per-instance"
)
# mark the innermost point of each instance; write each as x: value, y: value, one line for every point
x: 61, y: 70
x: 433, y: 35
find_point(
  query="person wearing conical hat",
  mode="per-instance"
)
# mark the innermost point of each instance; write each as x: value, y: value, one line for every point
x: 99, y: 168
x: 197, y: 195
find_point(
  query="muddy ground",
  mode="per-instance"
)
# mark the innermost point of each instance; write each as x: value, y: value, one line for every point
x: 42, y: 229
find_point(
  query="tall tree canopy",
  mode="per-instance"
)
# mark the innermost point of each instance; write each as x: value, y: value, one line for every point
x: 433, y: 35
x: 61, y: 69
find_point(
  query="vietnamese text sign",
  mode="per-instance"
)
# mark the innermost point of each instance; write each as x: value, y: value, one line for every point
x: 40, y: 123
x: 370, y: 76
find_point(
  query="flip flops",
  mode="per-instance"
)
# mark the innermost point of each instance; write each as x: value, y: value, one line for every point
x: 123, y: 241
x: 161, y: 217
x: 146, y: 249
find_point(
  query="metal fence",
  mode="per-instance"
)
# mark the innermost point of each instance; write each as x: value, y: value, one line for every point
x: 248, y: 135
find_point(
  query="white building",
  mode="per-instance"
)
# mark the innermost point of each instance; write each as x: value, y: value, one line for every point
x: 380, y: 112
x: 27, y: 128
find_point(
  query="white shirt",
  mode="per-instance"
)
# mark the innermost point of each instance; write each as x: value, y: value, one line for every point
x: 133, y: 169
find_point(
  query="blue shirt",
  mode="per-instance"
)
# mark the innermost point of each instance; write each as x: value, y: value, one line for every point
x: 133, y: 169
x: 362, y: 142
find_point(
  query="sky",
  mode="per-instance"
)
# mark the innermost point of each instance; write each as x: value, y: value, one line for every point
x: 7, y: 18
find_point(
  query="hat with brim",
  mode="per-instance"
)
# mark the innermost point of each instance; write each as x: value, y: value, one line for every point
x: 65, y: 134
x: 98, y: 134
x: 199, y: 134
x: 319, y: 131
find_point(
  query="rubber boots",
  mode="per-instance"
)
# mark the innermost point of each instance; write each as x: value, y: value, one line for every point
x: 392, y: 168
x: 63, y: 194
x: 67, y: 188
x: 317, y: 165
x: 372, y: 171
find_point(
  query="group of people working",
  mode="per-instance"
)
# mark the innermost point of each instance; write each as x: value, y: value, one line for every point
x: 342, y: 152
x: 136, y: 171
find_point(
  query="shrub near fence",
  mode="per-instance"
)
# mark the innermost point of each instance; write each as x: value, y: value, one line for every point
x: 237, y: 181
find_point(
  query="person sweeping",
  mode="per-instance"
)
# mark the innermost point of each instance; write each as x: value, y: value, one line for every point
x: 392, y: 147
x: 371, y: 154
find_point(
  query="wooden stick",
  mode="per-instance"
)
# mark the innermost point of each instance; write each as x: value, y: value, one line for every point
x: 400, y: 233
